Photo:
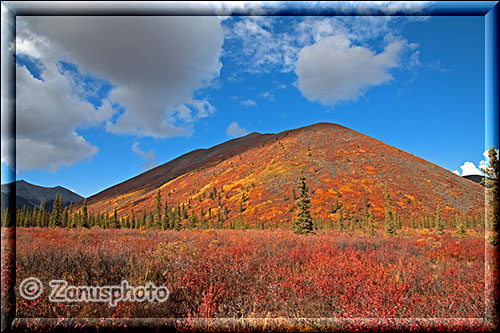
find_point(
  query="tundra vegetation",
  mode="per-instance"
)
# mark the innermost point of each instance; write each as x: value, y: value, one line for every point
x: 217, y: 265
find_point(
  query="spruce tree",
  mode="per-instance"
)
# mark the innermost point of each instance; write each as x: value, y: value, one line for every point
x: 390, y: 227
x: 85, y: 215
x: 158, y: 221
x: 56, y: 215
x: 142, y: 222
x: 33, y: 215
x: 150, y: 220
x: 366, y: 207
x: 44, y: 216
x: 461, y: 229
x: 132, y: 221
x: 492, y: 172
x: 192, y: 220
x: 114, y: 221
x: 370, y: 226
x: 303, y: 223
x: 438, y: 222
x: 65, y: 218
x: 166, y: 217
x: 340, y: 222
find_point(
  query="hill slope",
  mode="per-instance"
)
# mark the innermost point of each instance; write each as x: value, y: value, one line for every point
x: 258, y: 173
x: 31, y: 195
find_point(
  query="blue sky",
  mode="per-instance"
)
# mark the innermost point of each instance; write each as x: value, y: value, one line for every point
x: 99, y: 103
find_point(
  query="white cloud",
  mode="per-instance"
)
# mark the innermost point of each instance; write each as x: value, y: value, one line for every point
x: 224, y: 8
x: 249, y: 102
x: 267, y: 47
x: 469, y: 168
x: 235, y: 130
x: 262, y: 48
x: 196, y: 109
x: 266, y: 95
x: 47, y: 117
x: 483, y: 164
x: 155, y: 63
x: 486, y: 154
x: 456, y: 172
x: 149, y: 157
x: 334, y: 70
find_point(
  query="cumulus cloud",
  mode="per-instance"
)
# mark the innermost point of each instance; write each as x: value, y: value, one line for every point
x: 149, y: 157
x: 234, y: 130
x: 194, y: 110
x: 267, y: 47
x: 334, y: 70
x: 47, y: 116
x: 470, y: 168
x: 249, y: 102
x: 154, y: 63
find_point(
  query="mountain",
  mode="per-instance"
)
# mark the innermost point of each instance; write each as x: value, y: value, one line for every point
x: 258, y: 174
x: 31, y: 195
x: 475, y: 178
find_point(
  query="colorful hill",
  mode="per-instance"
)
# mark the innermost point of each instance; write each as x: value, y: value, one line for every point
x: 253, y: 178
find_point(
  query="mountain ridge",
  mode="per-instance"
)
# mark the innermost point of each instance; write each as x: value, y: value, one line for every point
x: 339, y: 163
x: 31, y: 195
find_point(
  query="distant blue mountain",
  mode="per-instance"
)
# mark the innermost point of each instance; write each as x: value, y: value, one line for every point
x: 475, y: 178
x: 31, y: 195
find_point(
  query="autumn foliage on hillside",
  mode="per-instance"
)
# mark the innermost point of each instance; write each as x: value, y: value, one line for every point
x: 252, y: 179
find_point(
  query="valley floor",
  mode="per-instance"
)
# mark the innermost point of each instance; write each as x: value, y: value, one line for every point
x: 259, y: 273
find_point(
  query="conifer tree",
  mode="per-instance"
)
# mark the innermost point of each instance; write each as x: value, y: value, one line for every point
x: 492, y: 172
x: 85, y: 214
x: 44, y: 216
x: 219, y: 220
x: 203, y: 221
x: 390, y: 227
x: 114, y: 221
x: 184, y: 213
x: 166, y: 217
x: 142, y: 222
x: 150, y: 220
x: 413, y: 222
x: 65, y: 218
x: 303, y: 223
x: 438, y: 222
x: 366, y: 207
x: 370, y: 226
x: 132, y: 221
x: 340, y: 223
x: 192, y: 221
x: 56, y: 214
x: 461, y: 228
x: 397, y: 221
x: 158, y: 221
x: 32, y: 218
x: 105, y: 221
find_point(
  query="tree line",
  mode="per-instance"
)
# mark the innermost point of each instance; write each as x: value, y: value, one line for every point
x: 182, y: 216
